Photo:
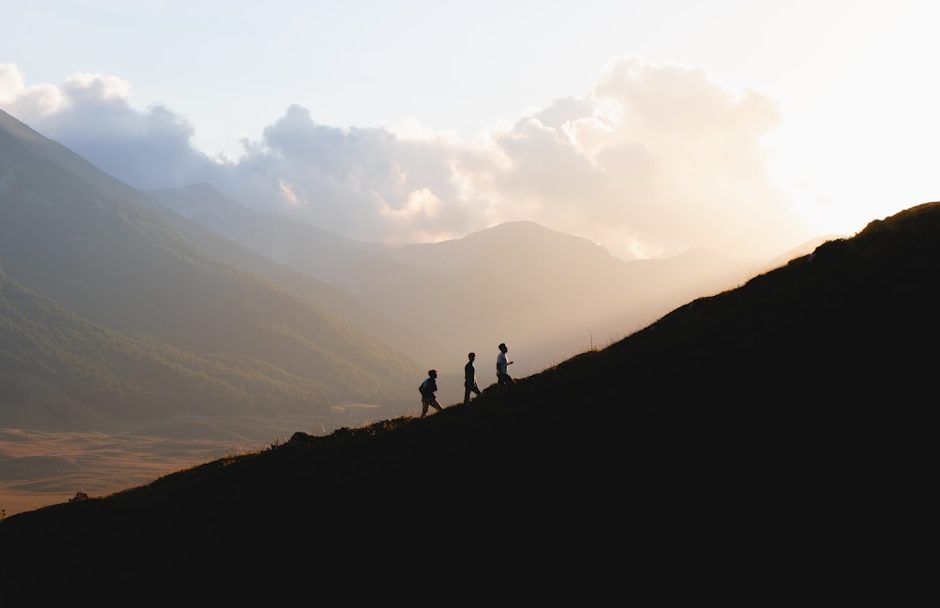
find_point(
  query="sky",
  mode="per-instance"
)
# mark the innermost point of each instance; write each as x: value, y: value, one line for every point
x: 649, y: 127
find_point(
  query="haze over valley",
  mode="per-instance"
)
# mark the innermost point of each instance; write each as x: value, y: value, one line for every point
x: 181, y: 313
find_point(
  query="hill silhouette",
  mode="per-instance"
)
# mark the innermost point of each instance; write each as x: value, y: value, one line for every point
x: 113, y: 258
x: 737, y: 430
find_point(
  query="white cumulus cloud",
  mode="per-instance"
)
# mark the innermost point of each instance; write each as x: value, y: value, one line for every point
x: 92, y: 115
x: 659, y: 155
x: 653, y: 159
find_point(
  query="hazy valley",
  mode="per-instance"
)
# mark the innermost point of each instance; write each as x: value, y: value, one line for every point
x: 161, y: 322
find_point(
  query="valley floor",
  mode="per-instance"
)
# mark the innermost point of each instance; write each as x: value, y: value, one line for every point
x: 41, y: 468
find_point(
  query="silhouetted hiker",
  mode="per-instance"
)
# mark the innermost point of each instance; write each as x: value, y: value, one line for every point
x: 502, y: 372
x: 427, y: 390
x: 469, y: 379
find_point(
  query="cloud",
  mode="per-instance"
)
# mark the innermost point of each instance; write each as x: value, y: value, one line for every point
x: 654, y: 159
x: 11, y: 82
x: 366, y: 183
x: 28, y: 103
x: 658, y: 157
x: 92, y: 115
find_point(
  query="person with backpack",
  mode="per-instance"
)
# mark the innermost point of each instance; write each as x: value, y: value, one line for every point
x: 469, y: 379
x: 502, y: 366
x: 427, y: 390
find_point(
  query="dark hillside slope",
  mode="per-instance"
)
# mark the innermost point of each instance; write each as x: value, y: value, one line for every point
x: 760, y: 422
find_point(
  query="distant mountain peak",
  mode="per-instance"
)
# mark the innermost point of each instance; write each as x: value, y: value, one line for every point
x: 527, y: 230
x: 519, y: 225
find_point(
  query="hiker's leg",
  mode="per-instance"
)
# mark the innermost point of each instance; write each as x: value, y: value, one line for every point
x: 476, y: 389
x: 424, y: 408
x: 437, y: 405
x: 466, y: 393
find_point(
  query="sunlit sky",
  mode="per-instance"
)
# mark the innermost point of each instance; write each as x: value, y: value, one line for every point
x: 847, y: 132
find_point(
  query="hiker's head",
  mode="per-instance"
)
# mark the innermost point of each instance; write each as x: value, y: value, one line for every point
x: 471, y: 356
x: 432, y: 373
x: 502, y: 347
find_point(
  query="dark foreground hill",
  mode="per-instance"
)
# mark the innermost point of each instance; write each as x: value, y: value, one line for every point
x: 766, y: 435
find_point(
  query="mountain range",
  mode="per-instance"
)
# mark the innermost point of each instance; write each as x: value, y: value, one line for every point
x: 545, y: 293
x: 126, y: 311
x: 738, y: 431
x: 325, y: 319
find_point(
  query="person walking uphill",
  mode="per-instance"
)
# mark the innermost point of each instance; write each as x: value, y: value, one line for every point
x: 427, y: 390
x: 502, y: 366
x: 469, y: 379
